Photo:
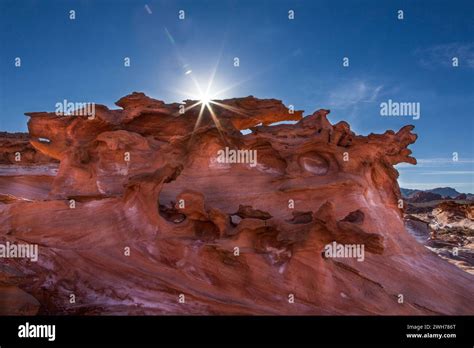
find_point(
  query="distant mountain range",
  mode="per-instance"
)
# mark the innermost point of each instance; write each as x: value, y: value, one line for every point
x: 444, y: 192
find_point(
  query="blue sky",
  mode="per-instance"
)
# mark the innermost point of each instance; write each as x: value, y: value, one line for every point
x: 298, y: 61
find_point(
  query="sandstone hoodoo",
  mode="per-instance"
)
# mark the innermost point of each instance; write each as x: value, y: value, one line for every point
x: 142, y: 217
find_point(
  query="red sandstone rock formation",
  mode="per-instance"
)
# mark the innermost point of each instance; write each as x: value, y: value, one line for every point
x: 145, y: 178
x: 455, y: 214
x: 13, y: 143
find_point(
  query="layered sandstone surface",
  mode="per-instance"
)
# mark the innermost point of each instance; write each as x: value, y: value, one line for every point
x: 140, y: 211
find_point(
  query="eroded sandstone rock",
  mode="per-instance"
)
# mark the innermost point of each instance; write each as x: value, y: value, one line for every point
x: 156, y: 215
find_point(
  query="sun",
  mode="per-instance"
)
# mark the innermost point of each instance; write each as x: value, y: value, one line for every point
x: 205, y: 99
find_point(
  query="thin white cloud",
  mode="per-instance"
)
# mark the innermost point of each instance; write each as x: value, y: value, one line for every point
x: 442, y: 55
x: 435, y: 162
x: 429, y: 185
x: 444, y: 160
x: 353, y: 93
x: 448, y: 172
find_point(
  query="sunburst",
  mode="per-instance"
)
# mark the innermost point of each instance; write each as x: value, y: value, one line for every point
x: 204, y: 98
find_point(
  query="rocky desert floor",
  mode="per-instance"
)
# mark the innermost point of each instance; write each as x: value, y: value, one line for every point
x: 446, y: 228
